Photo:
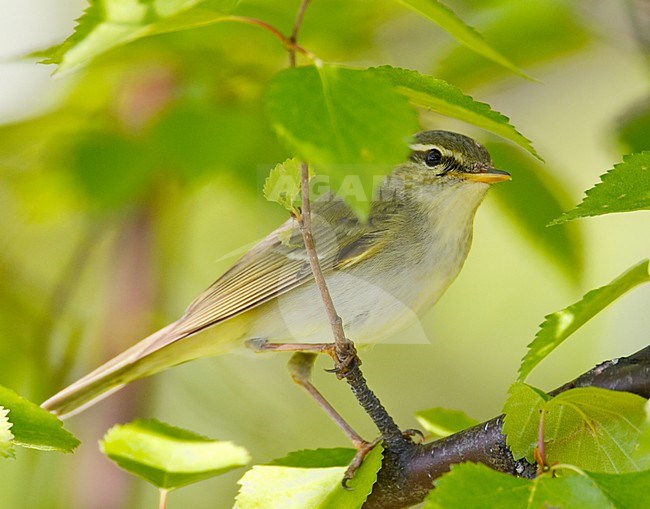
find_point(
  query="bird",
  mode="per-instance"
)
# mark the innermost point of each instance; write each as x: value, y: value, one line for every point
x: 382, y: 272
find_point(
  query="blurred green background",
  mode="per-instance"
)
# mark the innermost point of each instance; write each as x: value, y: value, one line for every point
x: 128, y: 187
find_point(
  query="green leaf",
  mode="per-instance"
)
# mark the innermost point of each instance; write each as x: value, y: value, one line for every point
x: 107, y: 24
x: 531, y: 200
x: 438, y: 95
x: 112, y: 170
x: 316, y: 458
x: 445, y: 18
x: 309, y: 480
x: 522, y: 410
x: 629, y: 490
x: 337, y: 115
x: 34, y: 427
x: 473, y: 485
x: 522, y: 29
x: 443, y: 422
x: 169, y: 457
x: 6, y: 436
x: 560, y: 325
x: 624, y: 188
x: 595, y: 429
x: 348, y: 123
x: 282, y: 186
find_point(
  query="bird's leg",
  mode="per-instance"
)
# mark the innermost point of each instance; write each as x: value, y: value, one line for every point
x: 300, y: 367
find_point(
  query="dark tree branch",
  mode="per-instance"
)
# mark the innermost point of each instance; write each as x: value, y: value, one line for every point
x: 405, y: 479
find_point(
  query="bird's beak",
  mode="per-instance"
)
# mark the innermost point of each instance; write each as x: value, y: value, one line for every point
x: 487, y: 175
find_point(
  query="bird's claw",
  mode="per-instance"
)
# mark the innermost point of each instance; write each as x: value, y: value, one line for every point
x: 363, y: 449
x: 344, y: 364
x: 412, y: 433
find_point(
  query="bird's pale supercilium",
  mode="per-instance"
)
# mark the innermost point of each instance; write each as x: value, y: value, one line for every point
x: 381, y: 272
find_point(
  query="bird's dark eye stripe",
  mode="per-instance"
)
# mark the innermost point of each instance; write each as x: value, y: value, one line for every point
x: 446, y: 163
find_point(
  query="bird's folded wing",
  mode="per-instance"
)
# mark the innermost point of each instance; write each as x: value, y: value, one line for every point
x: 276, y: 265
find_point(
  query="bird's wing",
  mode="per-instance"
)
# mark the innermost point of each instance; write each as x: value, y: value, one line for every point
x: 276, y: 265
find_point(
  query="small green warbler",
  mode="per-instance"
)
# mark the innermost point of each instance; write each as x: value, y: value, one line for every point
x: 381, y: 272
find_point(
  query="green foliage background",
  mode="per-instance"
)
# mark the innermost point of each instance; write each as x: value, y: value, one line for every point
x: 127, y: 187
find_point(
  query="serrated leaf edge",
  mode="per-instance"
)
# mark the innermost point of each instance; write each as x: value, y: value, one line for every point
x: 574, y: 213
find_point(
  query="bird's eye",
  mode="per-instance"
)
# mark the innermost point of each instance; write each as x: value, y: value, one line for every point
x: 433, y: 157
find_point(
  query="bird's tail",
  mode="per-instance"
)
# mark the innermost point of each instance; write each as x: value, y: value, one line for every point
x: 134, y: 363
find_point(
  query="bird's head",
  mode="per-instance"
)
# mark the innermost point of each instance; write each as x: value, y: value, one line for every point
x: 446, y: 156
x: 443, y: 162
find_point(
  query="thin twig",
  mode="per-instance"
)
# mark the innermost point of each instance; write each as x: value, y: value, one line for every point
x: 258, y: 22
x: 162, y: 501
x: 296, y: 28
x: 540, y: 452
x: 288, y: 44
x: 299, y: 18
x: 304, y: 221
x: 343, y: 344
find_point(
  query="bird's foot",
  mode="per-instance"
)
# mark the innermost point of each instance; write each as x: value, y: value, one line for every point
x: 363, y: 449
x: 345, y: 361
